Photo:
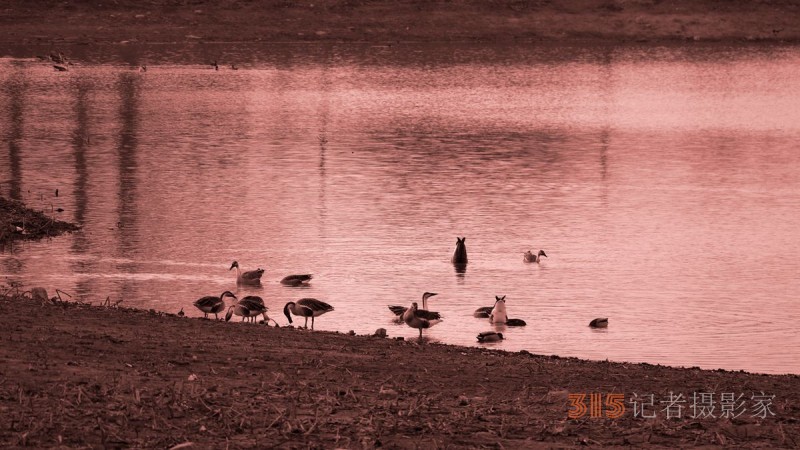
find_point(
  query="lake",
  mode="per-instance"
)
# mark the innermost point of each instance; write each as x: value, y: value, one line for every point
x: 663, y: 183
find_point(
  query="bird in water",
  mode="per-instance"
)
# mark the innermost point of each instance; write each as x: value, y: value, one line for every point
x: 497, y: 314
x: 212, y: 304
x: 419, y: 318
x: 296, y: 280
x: 531, y: 258
x: 490, y: 336
x: 399, y: 310
x: 251, y: 277
x: 601, y: 322
x: 460, y: 255
x: 306, y: 307
x: 248, y: 308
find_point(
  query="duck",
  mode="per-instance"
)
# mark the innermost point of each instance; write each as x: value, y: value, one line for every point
x: 252, y: 277
x: 600, y: 322
x: 296, y: 280
x: 419, y: 318
x: 531, y: 258
x: 248, y: 308
x: 306, y: 307
x: 213, y: 305
x: 398, y: 310
x: 490, y: 336
x: 460, y: 255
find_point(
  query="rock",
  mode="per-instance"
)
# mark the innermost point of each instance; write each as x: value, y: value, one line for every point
x: 39, y: 293
x: 351, y: 333
x: 380, y: 332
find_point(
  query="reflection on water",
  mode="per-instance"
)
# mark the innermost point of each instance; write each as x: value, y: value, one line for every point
x: 662, y: 183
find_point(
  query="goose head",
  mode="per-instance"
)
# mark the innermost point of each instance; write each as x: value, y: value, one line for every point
x: 286, y: 311
x: 235, y: 264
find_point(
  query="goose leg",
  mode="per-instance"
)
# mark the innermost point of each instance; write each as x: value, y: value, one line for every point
x: 306, y: 325
x: 216, y: 317
x: 312, y: 322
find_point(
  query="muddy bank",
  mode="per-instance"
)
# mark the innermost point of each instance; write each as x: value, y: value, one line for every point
x: 79, y: 375
x: 20, y: 223
x: 596, y: 21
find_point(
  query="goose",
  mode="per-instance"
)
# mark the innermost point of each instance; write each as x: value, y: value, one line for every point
x: 296, y: 280
x: 460, y: 255
x: 601, y: 322
x: 252, y: 277
x: 497, y: 313
x: 399, y: 310
x: 248, y: 308
x: 306, y: 307
x: 490, y: 336
x: 530, y: 257
x: 212, y: 304
x: 417, y: 318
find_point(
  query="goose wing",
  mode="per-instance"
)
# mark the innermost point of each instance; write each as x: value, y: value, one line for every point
x: 428, y: 315
x: 397, y: 310
x: 296, y: 279
x: 207, y: 301
x: 483, y: 312
x: 317, y: 306
x: 255, y: 299
x: 253, y: 275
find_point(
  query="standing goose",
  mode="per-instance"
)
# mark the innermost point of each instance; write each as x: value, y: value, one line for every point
x: 248, y: 308
x: 531, y: 258
x: 399, y: 310
x: 306, y: 307
x: 296, y: 280
x: 212, y: 305
x: 251, y: 277
x: 417, y: 318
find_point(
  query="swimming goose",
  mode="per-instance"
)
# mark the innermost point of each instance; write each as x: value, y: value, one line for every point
x: 460, y: 255
x: 399, y: 310
x: 248, y: 308
x: 530, y: 257
x: 213, y: 305
x: 497, y: 313
x: 296, y: 280
x: 490, y: 336
x: 252, y: 277
x: 417, y: 318
x: 306, y: 307
x: 601, y: 322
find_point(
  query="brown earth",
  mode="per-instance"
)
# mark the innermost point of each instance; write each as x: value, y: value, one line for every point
x: 177, y: 21
x: 75, y: 375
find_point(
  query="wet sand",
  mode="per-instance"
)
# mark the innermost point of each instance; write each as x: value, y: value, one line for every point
x: 79, y: 375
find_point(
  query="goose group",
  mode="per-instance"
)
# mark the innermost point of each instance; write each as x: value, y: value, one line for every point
x: 252, y: 306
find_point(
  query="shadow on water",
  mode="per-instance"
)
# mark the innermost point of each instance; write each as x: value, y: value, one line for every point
x: 16, y: 91
x: 128, y: 85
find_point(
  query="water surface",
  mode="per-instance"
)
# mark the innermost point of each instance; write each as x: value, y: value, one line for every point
x: 663, y: 184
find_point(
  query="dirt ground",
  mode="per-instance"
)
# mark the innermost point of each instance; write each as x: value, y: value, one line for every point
x: 177, y: 21
x: 78, y: 376
x: 75, y: 375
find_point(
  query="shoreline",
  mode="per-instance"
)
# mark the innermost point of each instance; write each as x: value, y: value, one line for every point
x: 80, y: 375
